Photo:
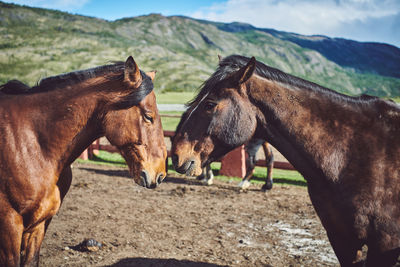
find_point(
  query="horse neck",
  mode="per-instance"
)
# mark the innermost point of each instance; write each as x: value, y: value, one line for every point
x: 312, y: 128
x: 70, y: 120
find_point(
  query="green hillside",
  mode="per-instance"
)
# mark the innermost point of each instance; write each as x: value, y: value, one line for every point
x: 37, y: 43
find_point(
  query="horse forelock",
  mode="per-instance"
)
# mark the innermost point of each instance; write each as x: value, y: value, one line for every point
x: 222, y: 72
x: 138, y: 94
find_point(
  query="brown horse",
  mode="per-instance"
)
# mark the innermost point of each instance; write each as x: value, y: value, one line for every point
x: 45, y: 128
x: 348, y: 148
x: 251, y: 149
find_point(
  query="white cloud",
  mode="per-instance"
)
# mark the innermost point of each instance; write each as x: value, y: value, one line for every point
x: 66, y: 5
x: 301, y: 16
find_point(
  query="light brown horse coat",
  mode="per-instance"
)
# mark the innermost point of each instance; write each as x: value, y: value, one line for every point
x: 43, y: 131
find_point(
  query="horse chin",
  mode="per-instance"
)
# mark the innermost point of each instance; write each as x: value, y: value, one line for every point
x: 196, y: 171
x: 134, y: 173
x: 135, y: 176
x: 141, y: 179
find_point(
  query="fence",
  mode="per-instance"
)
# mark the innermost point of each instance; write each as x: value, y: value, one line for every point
x: 232, y: 164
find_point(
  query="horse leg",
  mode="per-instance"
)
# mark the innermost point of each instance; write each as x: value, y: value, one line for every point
x: 347, y: 250
x: 32, y: 240
x: 206, y: 176
x: 269, y: 158
x: 388, y: 258
x: 11, y: 229
x: 64, y: 183
x: 339, y: 228
x: 250, y: 165
x: 30, y: 247
x: 209, y: 175
x: 202, y: 175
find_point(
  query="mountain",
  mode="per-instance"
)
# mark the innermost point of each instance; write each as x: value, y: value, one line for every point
x: 37, y: 43
x: 379, y: 58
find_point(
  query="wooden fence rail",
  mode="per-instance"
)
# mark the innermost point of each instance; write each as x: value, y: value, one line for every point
x: 233, y: 164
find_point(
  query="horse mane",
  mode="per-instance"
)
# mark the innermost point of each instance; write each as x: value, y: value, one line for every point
x: 233, y: 63
x: 14, y: 87
x: 110, y: 72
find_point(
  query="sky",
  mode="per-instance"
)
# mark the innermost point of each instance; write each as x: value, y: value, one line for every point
x: 361, y: 20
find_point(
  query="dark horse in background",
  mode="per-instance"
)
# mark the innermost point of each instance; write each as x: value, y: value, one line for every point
x: 45, y: 128
x: 347, y: 148
x: 251, y: 149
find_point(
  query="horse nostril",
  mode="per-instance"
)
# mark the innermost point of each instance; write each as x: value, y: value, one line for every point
x: 160, y: 178
x: 145, y: 178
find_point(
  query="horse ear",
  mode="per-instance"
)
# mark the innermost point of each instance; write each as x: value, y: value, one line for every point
x: 243, y: 74
x: 219, y: 58
x: 151, y: 74
x: 132, y: 72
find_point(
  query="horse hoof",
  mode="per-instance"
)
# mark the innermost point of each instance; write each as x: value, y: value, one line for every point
x: 200, y: 177
x: 207, y: 182
x: 266, y: 187
x: 243, y: 185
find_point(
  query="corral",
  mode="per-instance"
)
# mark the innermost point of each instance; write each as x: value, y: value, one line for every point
x: 183, y: 223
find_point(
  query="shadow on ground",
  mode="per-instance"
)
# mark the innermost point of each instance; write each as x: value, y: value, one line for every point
x: 148, y: 262
x: 172, y: 178
x: 119, y: 173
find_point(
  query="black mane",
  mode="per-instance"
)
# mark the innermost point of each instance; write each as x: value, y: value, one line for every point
x: 111, y: 72
x: 14, y: 87
x: 231, y: 64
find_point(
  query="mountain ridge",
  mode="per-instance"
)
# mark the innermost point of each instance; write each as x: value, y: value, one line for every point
x: 324, y: 45
x: 38, y: 42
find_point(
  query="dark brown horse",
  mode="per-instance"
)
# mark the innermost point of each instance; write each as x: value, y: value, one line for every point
x: 251, y: 149
x: 45, y: 128
x: 348, y: 148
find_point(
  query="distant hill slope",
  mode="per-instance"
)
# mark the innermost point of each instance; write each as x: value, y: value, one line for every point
x: 379, y: 58
x: 37, y: 43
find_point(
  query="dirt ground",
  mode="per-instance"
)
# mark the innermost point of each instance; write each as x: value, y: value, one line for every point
x: 183, y: 223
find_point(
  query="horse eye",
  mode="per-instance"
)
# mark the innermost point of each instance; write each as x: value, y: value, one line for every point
x: 148, y: 118
x: 210, y: 105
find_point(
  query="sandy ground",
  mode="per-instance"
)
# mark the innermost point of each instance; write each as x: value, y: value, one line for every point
x: 183, y: 223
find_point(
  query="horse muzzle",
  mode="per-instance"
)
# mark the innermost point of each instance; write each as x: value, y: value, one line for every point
x: 147, y: 181
x: 188, y: 167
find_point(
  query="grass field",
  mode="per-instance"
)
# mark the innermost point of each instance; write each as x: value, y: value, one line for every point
x: 284, y: 177
x: 169, y: 123
x: 174, y: 97
x: 396, y: 99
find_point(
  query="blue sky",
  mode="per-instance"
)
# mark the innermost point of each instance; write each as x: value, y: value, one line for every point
x: 361, y: 20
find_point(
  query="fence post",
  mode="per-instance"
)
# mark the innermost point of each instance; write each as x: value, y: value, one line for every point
x: 84, y: 155
x: 234, y: 163
x: 96, y: 147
